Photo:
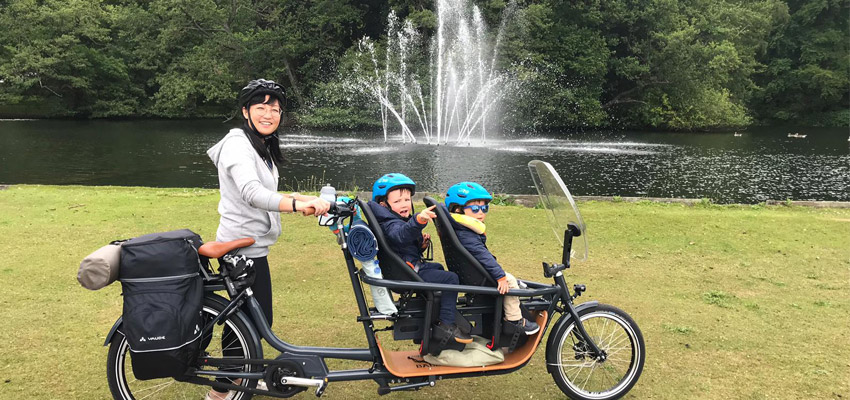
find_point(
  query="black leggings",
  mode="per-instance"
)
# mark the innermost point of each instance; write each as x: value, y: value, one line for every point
x: 262, y: 288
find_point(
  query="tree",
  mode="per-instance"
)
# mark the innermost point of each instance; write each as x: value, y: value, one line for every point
x: 58, y: 56
x: 660, y: 63
x: 808, y: 66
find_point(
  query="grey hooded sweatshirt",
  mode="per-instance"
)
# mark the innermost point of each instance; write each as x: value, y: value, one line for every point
x: 250, y: 204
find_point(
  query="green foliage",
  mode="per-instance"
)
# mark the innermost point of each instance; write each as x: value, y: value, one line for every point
x: 57, y: 56
x: 662, y: 292
x: 697, y: 65
x: 807, y: 69
x: 682, y: 330
x: 502, y: 200
x: 336, y: 106
x: 719, y: 298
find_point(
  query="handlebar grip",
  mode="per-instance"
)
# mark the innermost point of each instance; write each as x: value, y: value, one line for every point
x: 334, y: 209
x: 340, y: 209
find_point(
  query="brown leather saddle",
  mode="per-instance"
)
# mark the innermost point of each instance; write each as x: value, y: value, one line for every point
x: 219, y: 249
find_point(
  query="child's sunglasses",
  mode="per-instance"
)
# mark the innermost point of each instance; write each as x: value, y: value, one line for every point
x: 477, y: 208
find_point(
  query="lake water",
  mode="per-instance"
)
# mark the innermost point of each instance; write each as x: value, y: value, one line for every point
x: 761, y: 164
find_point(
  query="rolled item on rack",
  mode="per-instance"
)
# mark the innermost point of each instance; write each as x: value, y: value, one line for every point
x: 362, y: 243
x: 363, y: 246
x: 100, y: 268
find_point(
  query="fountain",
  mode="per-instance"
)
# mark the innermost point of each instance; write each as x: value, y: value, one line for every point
x: 461, y: 86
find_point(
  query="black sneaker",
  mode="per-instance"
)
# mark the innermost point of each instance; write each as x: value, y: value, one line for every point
x: 526, y: 326
x: 455, y: 333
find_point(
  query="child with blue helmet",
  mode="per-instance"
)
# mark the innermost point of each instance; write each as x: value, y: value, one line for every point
x: 468, y: 203
x: 393, y: 208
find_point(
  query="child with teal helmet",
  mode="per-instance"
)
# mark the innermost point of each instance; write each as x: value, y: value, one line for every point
x: 468, y: 204
x: 392, y: 206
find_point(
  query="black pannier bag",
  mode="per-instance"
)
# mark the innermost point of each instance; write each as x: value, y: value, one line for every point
x: 163, y: 296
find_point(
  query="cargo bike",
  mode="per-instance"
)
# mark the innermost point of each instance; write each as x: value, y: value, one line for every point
x: 593, y: 350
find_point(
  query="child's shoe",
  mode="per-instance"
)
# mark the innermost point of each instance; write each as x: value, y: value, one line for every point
x: 526, y: 326
x: 455, y: 333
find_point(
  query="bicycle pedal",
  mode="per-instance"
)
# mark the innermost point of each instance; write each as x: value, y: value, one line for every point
x: 320, y: 390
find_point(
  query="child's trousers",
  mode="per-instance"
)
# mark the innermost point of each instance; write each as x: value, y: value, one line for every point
x: 511, y: 305
x: 434, y: 273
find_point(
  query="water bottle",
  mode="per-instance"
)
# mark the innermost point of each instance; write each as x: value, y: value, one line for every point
x: 382, y: 298
x: 328, y: 193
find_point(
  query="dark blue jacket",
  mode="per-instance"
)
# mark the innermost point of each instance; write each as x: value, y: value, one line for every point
x: 404, y: 235
x: 476, y: 245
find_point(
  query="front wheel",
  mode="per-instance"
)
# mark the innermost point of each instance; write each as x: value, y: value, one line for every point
x: 582, y: 377
x: 229, y: 340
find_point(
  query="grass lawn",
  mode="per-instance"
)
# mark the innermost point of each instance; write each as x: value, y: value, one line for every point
x: 735, y: 302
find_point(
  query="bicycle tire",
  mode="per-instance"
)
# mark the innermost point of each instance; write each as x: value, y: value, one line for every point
x: 575, y: 371
x: 124, y: 386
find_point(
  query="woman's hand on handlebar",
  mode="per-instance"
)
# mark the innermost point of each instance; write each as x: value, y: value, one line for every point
x: 316, y: 206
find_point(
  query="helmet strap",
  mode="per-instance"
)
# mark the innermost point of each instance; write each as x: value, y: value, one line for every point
x: 258, y: 141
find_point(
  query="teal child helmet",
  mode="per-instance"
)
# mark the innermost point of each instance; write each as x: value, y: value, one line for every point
x: 392, y: 181
x: 461, y: 193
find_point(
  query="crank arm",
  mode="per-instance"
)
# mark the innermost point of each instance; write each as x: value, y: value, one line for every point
x: 320, y: 384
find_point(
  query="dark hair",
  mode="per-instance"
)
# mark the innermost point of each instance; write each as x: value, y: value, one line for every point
x: 381, y: 199
x: 268, y: 147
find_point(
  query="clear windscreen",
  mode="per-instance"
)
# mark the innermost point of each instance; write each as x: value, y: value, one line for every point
x: 560, y: 207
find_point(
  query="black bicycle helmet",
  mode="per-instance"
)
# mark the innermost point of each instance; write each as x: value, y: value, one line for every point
x: 260, y: 87
x: 268, y: 147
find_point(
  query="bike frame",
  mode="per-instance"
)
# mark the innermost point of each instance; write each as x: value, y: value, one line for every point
x: 313, y: 357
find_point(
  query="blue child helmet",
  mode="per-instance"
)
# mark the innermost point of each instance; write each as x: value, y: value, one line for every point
x: 464, y: 192
x: 392, y: 181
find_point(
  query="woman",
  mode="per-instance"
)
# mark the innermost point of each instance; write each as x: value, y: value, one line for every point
x: 250, y: 206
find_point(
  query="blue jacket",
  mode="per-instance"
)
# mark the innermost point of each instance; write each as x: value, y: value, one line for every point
x: 476, y: 245
x: 404, y: 235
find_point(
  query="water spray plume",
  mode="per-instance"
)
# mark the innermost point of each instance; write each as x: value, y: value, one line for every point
x: 461, y: 88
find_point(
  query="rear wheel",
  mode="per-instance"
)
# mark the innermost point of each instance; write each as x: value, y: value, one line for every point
x: 582, y: 377
x: 229, y: 340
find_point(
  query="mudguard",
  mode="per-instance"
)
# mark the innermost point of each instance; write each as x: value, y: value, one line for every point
x: 560, y: 327
x: 214, y: 297
x: 112, y: 331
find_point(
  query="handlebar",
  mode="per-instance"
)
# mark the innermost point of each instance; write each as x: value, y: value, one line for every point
x: 551, y: 270
x: 337, y: 209
x: 337, y: 212
x: 341, y: 209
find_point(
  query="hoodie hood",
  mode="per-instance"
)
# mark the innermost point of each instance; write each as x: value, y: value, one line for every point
x: 215, y: 152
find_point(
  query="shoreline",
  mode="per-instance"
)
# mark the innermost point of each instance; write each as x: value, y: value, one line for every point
x: 530, y: 200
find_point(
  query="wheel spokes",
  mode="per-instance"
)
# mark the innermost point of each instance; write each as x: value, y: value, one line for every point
x: 222, y: 342
x: 584, y: 372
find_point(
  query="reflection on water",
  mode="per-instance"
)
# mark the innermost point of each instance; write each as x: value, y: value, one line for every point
x: 760, y: 165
